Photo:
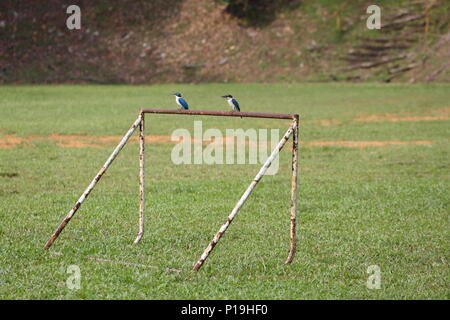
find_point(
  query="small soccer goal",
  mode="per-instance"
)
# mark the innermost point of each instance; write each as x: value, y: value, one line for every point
x: 140, y: 121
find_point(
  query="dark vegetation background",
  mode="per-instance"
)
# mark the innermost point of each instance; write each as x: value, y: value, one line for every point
x: 192, y: 41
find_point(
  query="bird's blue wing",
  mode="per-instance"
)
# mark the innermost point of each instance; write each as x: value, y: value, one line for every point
x: 236, y: 104
x: 183, y: 103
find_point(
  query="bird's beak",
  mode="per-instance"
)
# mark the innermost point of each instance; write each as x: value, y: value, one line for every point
x: 223, y: 96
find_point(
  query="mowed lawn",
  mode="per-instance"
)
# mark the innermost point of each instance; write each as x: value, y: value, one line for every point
x: 373, y: 190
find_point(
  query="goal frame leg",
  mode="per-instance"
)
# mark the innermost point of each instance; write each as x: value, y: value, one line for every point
x: 243, y: 198
x: 293, y: 191
x: 141, y: 178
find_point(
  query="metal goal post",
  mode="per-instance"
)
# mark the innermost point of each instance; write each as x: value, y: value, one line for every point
x: 140, y: 121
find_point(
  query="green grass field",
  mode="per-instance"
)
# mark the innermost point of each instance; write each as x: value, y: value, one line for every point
x: 384, y: 205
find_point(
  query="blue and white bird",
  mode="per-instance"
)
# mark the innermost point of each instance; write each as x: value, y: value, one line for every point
x: 232, y: 102
x: 180, y: 101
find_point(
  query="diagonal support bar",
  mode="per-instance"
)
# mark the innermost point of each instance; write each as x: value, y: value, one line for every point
x: 244, y: 197
x: 91, y: 186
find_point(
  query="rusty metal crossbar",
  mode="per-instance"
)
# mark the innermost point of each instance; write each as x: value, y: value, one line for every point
x: 292, y: 131
x: 222, y: 113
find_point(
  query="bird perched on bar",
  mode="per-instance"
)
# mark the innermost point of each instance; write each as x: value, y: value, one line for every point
x: 232, y: 102
x: 180, y: 101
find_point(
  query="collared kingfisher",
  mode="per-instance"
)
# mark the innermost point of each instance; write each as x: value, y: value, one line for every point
x: 232, y: 102
x: 180, y: 101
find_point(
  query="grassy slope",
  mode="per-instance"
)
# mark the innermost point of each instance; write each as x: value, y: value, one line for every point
x: 357, y: 207
x: 192, y: 41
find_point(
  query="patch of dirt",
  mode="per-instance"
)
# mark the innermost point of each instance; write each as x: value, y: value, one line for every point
x: 444, y: 110
x: 77, y: 144
x: 327, y: 123
x: 363, y: 144
x: 67, y: 141
x: 388, y: 117
x: 440, y: 114
x: 9, y: 141
x: 80, y: 141
x: 392, y: 118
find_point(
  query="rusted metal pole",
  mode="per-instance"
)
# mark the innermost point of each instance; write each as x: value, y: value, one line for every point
x: 293, y: 190
x: 222, y: 113
x: 91, y: 186
x: 141, y: 179
x: 241, y: 201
